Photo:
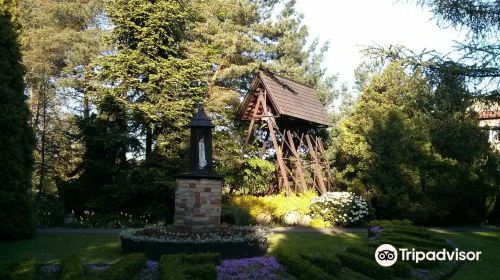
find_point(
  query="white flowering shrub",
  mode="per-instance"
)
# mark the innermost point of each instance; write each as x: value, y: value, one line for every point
x: 340, y: 208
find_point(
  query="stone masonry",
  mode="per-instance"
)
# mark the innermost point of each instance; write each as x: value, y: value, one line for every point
x: 197, y: 204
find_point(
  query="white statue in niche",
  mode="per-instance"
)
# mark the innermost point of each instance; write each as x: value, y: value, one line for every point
x: 202, y: 161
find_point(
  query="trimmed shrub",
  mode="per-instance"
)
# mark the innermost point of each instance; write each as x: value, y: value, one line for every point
x: 72, y: 268
x: 417, y: 242
x: 206, y: 271
x: 402, y: 269
x: 366, y: 266
x: 170, y: 267
x: 24, y: 270
x: 126, y: 268
x: 300, y: 268
x: 195, y: 266
x: 416, y: 232
x: 328, y: 262
x: 6, y: 268
x: 390, y: 223
x: 349, y: 274
x: 202, y: 258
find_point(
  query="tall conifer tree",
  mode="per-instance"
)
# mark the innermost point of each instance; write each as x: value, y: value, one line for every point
x: 16, y: 136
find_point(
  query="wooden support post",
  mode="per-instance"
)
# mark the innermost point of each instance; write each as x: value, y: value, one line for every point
x: 317, y: 169
x: 279, y: 156
x: 327, y: 165
x: 252, y: 124
x: 298, y: 164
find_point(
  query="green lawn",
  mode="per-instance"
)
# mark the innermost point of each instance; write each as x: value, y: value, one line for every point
x: 487, y: 242
x: 53, y: 248
x: 106, y: 248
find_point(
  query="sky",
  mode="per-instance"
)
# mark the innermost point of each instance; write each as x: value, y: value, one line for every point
x: 351, y: 24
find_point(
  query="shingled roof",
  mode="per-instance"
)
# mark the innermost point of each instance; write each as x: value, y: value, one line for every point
x: 288, y: 98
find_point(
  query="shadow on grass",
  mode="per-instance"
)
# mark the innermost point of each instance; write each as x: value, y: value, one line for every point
x: 53, y: 248
x: 316, y: 241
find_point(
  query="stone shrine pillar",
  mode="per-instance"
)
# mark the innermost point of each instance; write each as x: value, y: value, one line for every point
x: 198, y: 193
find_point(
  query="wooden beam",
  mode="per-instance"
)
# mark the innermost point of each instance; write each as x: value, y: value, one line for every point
x: 317, y: 169
x: 252, y: 124
x: 279, y: 156
x: 298, y: 163
x: 327, y: 165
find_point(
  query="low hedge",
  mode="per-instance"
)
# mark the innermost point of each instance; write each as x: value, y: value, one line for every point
x: 390, y: 223
x: 301, y: 268
x: 366, y: 266
x: 6, y: 268
x: 417, y: 232
x: 401, y: 269
x: 126, y: 268
x: 415, y: 241
x: 327, y: 262
x: 24, y: 270
x: 202, y: 258
x: 72, y: 268
x: 201, y: 271
x: 182, y: 266
x: 349, y: 274
x: 170, y: 268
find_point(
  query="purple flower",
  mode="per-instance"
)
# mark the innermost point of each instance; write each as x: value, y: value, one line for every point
x: 251, y: 268
x: 97, y: 267
x: 49, y: 269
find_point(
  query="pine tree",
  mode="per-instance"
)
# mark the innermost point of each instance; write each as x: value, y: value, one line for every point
x: 407, y: 145
x: 150, y: 72
x: 59, y: 39
x: 237, y: 38
x: 16, y: 137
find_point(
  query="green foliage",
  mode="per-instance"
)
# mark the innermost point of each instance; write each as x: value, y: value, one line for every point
x: 407, y: 145
x: 224, y: 36
x: 195, y: 266
x: 301, y: 268
x: 59, y: 39
x: 72, y: 268
x: 246, y: 209
x: 327, y: 262
x: 16, y: 137
x: 366, y: 265
x: 390, y: 223
x: 257, y: 176
x: 24, y: 270
x: 50, y: 211
x: 126, y: 268
x: 6, y: 268
x: 201, y: 258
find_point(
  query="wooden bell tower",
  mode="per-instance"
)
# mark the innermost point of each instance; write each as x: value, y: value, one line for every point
x: 286, y: 119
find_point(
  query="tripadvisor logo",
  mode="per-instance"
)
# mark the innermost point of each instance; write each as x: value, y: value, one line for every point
x: 387, y: 255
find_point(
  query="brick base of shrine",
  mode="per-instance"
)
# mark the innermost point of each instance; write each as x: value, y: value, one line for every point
x: 197, y: 204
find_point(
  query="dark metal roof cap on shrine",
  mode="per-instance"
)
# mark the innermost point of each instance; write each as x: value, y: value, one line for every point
x: 201, y: 119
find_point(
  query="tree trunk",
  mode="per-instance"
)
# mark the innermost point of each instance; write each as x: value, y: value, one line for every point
x: 42, y: 152
x: 86, y: 106
x: 149, y: 141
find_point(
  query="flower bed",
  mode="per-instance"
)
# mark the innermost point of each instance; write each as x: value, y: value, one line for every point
x: 234, y: 242
x: 252, y: 268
